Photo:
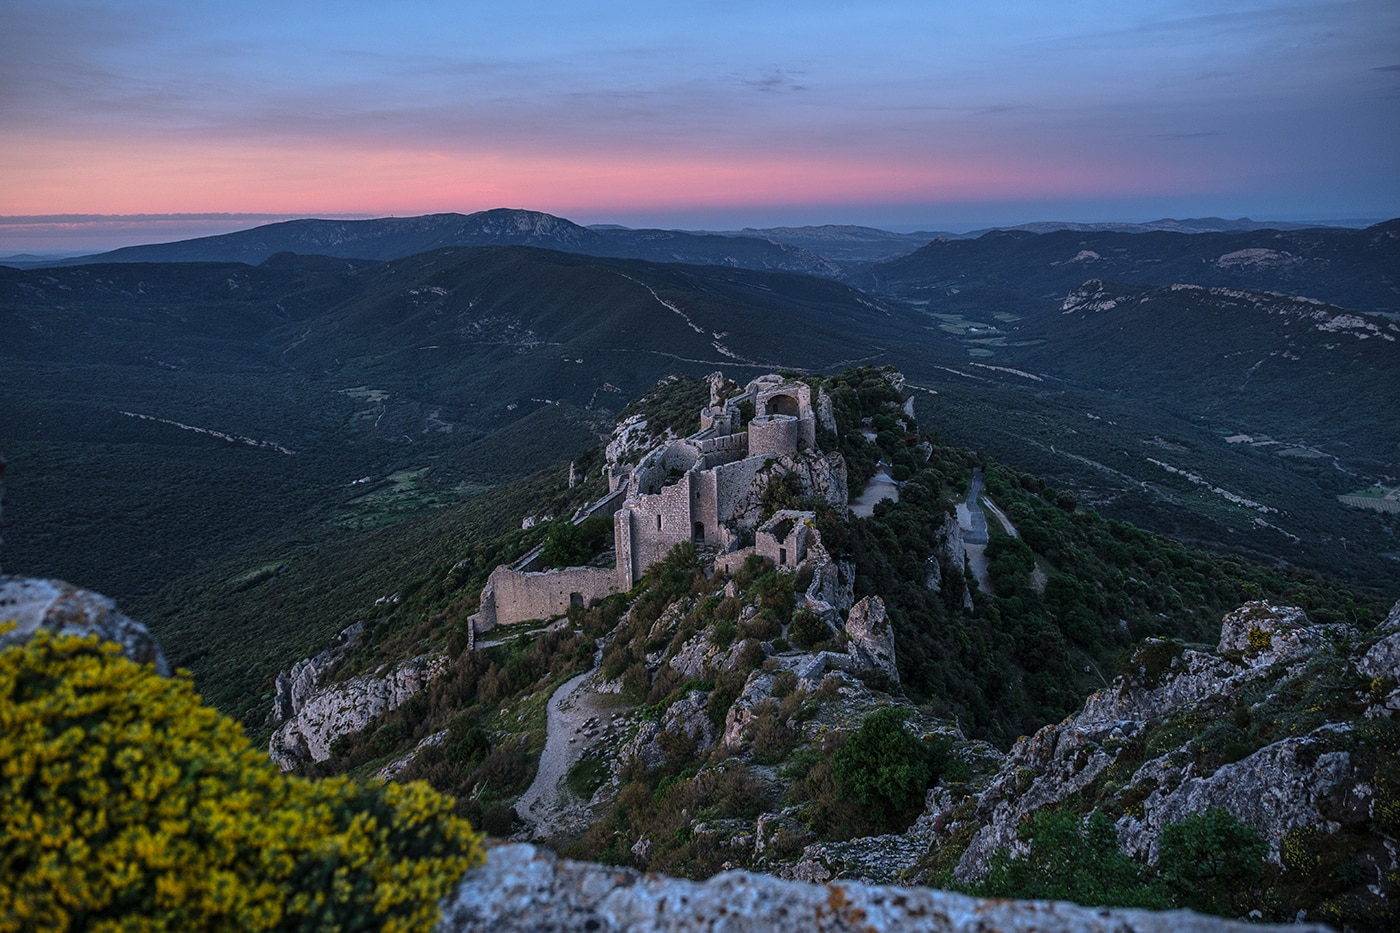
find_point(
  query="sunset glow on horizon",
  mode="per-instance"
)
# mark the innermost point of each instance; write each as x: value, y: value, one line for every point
x: 718, y: 114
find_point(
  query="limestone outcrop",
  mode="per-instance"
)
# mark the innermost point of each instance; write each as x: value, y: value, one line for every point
x: 34, y: 604
x: 295, y: 688
x: 344, y: 708
x: 1312, y: 773
x: 523, y: 889
x: 684, y: 718
x: 871, y: 637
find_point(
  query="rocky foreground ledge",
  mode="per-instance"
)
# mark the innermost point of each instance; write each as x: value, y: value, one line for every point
x: 530, y: 890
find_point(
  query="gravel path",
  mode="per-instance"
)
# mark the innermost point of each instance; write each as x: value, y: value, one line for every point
x: 576, y: 717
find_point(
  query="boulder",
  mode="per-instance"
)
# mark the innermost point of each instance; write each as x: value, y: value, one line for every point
x: 871, y: 637
x: 34, y: 604
x: 685, y: 717
x: 1261, y: 634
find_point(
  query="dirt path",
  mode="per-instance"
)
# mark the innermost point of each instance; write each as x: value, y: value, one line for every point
x: 576, y: 717
x: 1006, y: 525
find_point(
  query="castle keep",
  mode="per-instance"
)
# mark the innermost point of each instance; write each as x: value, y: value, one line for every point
x: 704, y: 489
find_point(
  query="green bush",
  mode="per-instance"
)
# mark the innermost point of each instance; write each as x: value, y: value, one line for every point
x: 884, y: 766
x: 1212, y: 862
x: 129, y: 805
x: 1070, y: 860
x: 570, y: 545
x: 808, y: 629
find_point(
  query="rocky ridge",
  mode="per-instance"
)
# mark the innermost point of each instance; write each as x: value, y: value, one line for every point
x: 523, y: 888
x: 1272, y: 727
x: 1097, y: 295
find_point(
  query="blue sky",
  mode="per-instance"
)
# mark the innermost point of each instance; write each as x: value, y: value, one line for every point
x: 933, y: 115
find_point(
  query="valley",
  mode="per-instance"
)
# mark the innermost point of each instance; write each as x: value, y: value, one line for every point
x: 1050, y: 473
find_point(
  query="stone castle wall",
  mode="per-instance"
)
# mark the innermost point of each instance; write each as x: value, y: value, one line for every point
x: 724, y: 448
x: 783, y: 538
x: 774, y: 435
x: 657, y: 522
x: 516, y: 596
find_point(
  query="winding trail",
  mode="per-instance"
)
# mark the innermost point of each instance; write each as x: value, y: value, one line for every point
x: 548, y: 807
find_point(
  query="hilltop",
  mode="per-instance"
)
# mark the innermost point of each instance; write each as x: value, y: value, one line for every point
x: 729, y: 712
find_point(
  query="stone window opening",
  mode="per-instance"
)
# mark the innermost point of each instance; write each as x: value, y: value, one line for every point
x: 658, y: 523
x: 782, y: 557
x: 781, y: 405
x: 576, y: 599
x: 699, y: 533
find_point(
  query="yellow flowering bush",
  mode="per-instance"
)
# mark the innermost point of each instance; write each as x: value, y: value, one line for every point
x: 128, y: 805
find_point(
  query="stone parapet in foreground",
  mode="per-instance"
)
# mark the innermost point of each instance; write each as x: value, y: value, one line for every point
x: 530, y: 890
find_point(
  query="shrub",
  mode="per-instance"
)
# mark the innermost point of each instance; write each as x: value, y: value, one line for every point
x: 1212, y: 862
x: 130, y: 805
x: 569, y: 545
x: 1070, y: 860
x: 884, y: 766
x: 808, y: 630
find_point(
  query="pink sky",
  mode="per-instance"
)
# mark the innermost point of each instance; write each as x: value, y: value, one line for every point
x: 897, y: 113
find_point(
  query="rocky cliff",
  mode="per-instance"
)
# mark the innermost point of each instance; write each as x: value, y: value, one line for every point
x: 1287, y: 725
x: 310, y: 714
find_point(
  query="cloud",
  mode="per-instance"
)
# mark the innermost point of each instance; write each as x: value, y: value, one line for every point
x: 776, y: 80
x: 1387, y: 68
x: 1199, y: 135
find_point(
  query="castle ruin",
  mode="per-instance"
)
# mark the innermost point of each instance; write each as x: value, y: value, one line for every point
x: 705, y: 489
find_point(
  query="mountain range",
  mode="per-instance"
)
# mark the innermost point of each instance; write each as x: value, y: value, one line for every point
x: 298, y: 452
x: 1019, y: 271
x: 829, y: 249
x: 396, y: 238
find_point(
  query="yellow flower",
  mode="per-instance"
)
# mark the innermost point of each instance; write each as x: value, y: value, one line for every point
x: 129, y: 803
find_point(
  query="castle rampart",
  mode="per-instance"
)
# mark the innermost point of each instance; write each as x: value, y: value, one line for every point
x: 515, y: 596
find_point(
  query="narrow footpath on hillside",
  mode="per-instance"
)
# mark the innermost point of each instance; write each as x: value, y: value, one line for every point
x: 574, y: 718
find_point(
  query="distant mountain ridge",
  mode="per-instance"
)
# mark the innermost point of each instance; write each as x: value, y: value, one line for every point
x: 823, y: 250
x: 853, y: 243
x: 1021, y: 271
x: 1292, y: 367
x: 395, y: 238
